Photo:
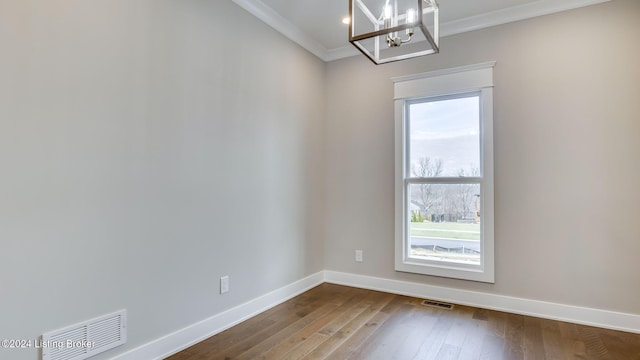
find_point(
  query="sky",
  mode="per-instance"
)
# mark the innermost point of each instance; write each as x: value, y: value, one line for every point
x: 446, y: 129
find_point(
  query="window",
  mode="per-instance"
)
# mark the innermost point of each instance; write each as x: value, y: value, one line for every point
x: 444, y: 173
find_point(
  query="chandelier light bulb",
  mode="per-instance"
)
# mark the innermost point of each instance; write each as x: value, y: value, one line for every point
x: 388, y: 13
x: 411, y: 16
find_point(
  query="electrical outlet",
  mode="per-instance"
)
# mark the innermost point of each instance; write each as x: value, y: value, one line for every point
x: 359, y: 256
x: 224, y: 284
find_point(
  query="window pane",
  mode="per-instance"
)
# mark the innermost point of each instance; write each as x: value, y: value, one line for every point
x: 445, y: 138
x: 444, y: 222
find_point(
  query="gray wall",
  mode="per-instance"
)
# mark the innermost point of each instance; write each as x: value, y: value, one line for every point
x: 567, y: 174
x: 144, y: 153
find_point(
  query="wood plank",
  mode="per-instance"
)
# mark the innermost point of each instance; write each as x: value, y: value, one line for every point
x: 304, y: 348
x: 551, y: 339
x: 252, y: 337
x: 472, y: 345
x: 423, y: 325
x: 533, y: 344
x: 349, y: 347
x: 345, y: 310
x: 281, y: 336
x: 514, y: 337
x: 432, y: 344
x: 337, y: 323
x: 461, y: 325
x: 350, y: 328
x: 595, y: 348
x: 448, y: 352
x: 492, y: 348
x: 388, y: 336
x: 619, y: 344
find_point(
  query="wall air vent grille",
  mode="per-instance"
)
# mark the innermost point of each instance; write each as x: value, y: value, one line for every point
x: 438, y: 304
x: 83, y: 340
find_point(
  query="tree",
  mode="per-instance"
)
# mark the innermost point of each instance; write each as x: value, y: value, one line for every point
x: 425, y: 168
x: 465, y: 194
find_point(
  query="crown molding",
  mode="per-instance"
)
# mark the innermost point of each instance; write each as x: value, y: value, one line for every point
x: 341, y: 53
x: 511, y: 14
x: 515, y: 13
x: 270, y: 17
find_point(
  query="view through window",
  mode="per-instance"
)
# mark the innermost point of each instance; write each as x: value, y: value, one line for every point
x: 443, y: 176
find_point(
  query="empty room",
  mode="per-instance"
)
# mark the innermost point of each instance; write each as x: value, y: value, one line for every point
x: 344, y: 179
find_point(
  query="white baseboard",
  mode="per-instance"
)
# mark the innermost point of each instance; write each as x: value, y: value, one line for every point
x: 182, y: 339
x: 574, y: 314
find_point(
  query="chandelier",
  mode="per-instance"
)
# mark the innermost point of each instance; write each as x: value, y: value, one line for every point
x: 392, y: 30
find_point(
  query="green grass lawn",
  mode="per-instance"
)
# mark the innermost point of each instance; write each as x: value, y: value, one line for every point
x: 448, y: 230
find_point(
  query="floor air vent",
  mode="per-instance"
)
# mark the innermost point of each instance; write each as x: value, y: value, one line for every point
x: 438, y: 304
x: 81, y: 341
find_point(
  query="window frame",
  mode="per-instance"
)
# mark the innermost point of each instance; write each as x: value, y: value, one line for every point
x: 433, y: 86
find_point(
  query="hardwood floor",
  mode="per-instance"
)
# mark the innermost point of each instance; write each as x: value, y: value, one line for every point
x: 338, y: 322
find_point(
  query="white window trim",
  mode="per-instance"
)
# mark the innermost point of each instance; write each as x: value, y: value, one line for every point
x: 473, y: 78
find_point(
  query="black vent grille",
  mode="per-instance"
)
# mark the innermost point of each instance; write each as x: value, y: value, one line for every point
x: 438, y: 304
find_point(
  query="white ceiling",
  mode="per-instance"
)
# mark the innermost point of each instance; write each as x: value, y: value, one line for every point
x: 316, y: 24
